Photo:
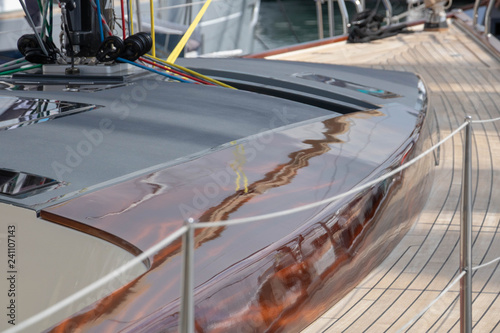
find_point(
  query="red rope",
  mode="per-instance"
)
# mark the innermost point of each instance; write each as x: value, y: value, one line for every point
x: 176, y: 72
x: 123, y: 20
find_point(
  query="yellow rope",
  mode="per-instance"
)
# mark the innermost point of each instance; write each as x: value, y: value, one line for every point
x: 131, y: 10
x: 152, y: 14
x: 177, y: 50
x: 187, y: 70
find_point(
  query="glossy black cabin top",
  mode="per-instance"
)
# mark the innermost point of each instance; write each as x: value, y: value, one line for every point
x: 113, y: 132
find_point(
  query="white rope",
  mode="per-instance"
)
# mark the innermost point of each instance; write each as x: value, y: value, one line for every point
x: 97, y: 284
x: 485, y: 121
x: 431, y: 303
x: 168, y: 240
x: 487, y: 264
x: 328, y: 200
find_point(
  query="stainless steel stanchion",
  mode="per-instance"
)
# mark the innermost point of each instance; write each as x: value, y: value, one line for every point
x: 319, y: 14
x: 187, y: 296
x: 331, y: 18
x: 466, y: 235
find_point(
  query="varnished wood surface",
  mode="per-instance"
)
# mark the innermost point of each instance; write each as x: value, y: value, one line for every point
x: 464, y: 79
x: 268, y: 275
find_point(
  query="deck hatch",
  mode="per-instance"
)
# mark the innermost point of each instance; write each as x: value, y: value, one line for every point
x: 15, y: 183
x: 19, y: 112
x: 376, y: 92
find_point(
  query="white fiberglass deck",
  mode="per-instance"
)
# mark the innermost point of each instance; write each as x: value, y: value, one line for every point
x: 464, y: 79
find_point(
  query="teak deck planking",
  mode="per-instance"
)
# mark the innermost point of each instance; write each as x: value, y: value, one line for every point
x: 463, y: 79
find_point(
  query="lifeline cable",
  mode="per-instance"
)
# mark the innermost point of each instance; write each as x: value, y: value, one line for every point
x: 99, y: 283
x: 420, y: 314
x: 178, y: 233
x: 330, y: 199
x: 486, y: 264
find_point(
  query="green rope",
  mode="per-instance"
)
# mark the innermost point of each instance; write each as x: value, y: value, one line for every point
x: 45, y: 23
x: 20, y: 70
x: 14, y: 62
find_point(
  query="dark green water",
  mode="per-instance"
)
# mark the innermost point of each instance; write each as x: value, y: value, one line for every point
x: 288, y: 22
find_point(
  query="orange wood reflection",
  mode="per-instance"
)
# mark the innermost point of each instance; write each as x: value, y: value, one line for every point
x: 275, y: 275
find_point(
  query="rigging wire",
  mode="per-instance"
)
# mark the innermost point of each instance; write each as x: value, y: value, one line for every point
x: 130, y: 18
x: 32, y: 25
x: 43, y: 10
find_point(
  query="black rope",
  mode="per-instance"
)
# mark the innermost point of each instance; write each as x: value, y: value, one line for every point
x: 367, y: 26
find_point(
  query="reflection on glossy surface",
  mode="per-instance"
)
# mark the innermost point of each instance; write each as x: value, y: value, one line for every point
x: 18, y: 183
x: 17, y: 112
x: 380, y: 93
x: 269, y: 275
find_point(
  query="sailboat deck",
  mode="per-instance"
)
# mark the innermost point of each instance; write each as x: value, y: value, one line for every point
x: 463, y: 79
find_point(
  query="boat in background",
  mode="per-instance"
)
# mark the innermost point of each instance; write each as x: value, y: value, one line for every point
x: 227, y: 28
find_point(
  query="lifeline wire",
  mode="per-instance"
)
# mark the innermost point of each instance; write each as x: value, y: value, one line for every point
x: 485, y: 121
x: 486, y: 264
x: 182, y: 230
x: 432, y: 303
x: 99, y: 283
x: 328, y: 200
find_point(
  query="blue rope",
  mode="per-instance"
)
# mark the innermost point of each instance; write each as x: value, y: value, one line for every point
x: 153, y: 70
x: 128, y: 18
x: 98, y: 4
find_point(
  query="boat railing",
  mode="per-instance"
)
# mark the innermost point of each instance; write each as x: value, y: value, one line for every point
x: 187, y: 309
x: 390, y: 18
x: 487, y: 16
x: 359, y: 5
